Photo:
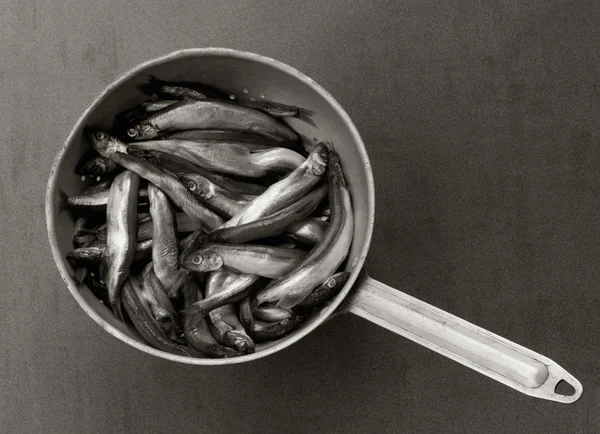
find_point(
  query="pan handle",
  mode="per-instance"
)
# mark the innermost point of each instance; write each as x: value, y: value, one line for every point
x: 459, y: 340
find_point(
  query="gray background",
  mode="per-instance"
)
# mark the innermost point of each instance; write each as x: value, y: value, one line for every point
x: 481, y: 121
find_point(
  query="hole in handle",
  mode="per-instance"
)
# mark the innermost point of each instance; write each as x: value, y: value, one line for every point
x: 564, y: 388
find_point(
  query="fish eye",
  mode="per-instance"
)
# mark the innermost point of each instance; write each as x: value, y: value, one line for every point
x: 192, y: 186
x: 197, y: 260
x: 100, y: 135
x: 131, y: 132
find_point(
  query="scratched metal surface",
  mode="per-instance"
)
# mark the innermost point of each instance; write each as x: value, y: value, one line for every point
x: 481, y: 120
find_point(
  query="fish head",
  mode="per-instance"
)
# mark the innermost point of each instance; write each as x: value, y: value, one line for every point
x: 239, y: 340
x: 318, y: 158
x: 84, y: 255
x: 105, y: 144
x: 203, y: 260
x: 142, y: 131
x: 198, y: 185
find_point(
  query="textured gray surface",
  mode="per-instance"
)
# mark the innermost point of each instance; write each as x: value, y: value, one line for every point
x: 481, y: 121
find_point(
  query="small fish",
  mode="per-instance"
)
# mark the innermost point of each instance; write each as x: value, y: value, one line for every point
x: 197, y: 333
x: 226, y: 158
x: 97, y: 201
x: 165, y: 250
x: 141, y: 316
x: 215, y: 115
x: 325, y: 257
x: 272, y: 262
x: 224, y: 323
x: 289, y: 189
x: 121, y: 216
x: 230, y: 136
x: 264, y: 331
x: 113, y: 148
x: 160, y: 305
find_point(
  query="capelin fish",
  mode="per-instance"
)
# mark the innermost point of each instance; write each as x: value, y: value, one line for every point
x: 291, y: 188
x: 92, y: 255
x: 230, y: 136
x: 227, y: 158
x: 157, y: 88
x: 113, y: 148
x: 271, y: 313
x: 264, y: 331
x: 215, y: 115
x: 223, y: 321
x: 325, y: 291
x: 274, y: 224
x: 272, y: 262
x: 326, y: 256
x: 97, y: 201
x: 231, y: 286
x: 309, y: 231
x: 121, y: 219
x: 213, y: 195
x: 246, y: 317
x: 165, y: 250
x: 197, y: 333
x: 160, y: 305
x: 146, y: 325
x: 237, y: 188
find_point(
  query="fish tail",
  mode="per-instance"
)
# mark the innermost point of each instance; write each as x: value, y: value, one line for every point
x: 117, y: 309
x: 79, y: 275
x: 306, y: 118
x: 305, y: 112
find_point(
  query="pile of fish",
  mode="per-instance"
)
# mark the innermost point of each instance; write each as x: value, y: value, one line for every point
x: 207, y: 223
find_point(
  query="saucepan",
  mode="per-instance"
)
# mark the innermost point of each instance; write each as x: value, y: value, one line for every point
x: 248, y: 75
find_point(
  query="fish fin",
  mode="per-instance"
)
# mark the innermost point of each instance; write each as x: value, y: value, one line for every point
x: 306, y: 112
x: 290, y: 300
